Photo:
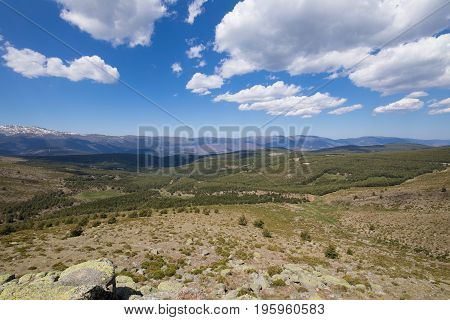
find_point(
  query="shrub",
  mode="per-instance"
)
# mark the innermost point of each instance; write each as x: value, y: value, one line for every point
x: 96, y: 223
x: 170, y: 271
x: 59, y: 266
x: 216, y: 210
x: 371, y: 227
x: 258, y: 223
x: 112, y: 220
x: 331, y: 252
x: 133, y: 215
x: 444, y: 189
x: 349, y: 252
x: 266, y: 233
x: 6, y: 229
x: 305, y: 236
x: 83, y: 222
x: 242, y: 221
x: 103, y: 216
x: 273, y: 270
x: 76, y: 232
x: 278, y: 283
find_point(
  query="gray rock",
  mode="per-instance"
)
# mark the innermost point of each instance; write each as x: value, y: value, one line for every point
x: 169, y: 286
x: 258, y: 282
x: 225, y: 272
x: 98, y: 273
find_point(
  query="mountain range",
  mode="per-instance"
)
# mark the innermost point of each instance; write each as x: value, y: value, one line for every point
x: 35, y: 141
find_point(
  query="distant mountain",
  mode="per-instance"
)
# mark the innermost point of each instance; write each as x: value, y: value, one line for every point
x: 20, y: 140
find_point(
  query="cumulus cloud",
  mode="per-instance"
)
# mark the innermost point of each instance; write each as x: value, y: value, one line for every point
x: 403, y: 105
x: 32, y: 64
x: 176, y: 68
x: 305, y: 106
x: 201, y: 64
x: 117, y: 21
x: 260, y: 93
x: 195, y: 9
x: 411, y: 66
x: 301, y: 36
x: 201, y: 83
x: 195, y: 51
x: 343, y: 110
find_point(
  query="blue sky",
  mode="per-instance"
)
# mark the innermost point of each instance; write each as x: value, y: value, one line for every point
x: 283, y: 46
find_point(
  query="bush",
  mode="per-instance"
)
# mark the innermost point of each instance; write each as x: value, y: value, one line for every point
x: 96, y: 223
x: 242, y: 221
x: 305, y: 236
x: 258, y: 223
x: 273, y: 270
x: 103, y: 216
x: 278, y: 283
x: 266, y: 233
x: 7, y: 229
x: 112, y: 220
x: 444, y: 189
x: 132, y: 215
x: 76, y: 232
x: 216, y: 210
x: 59, y: 266
x: 83, y: 222
x: 371, y: 227
x: 331, y: 252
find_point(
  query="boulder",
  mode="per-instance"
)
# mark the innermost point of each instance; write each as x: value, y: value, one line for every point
x: 86, y: 281
x: 90, y: 273
x: 169, y: 286
x: 295, y: 273
x: 258, y: 282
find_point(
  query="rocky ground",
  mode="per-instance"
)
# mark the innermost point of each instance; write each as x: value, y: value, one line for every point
x: 346, y: 245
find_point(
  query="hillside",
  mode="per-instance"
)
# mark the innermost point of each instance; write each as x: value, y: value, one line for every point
x: 364, y: 225
x: 19, y: 140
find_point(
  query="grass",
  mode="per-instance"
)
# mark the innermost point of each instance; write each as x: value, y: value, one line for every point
x: 97, y: 195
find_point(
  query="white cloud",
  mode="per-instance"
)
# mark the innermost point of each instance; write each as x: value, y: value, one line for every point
x: 176, y: 68
x: 343, y: 110
x: 195, y: 51
x: 417, y: 94
x: 440, y: 107
x: 117, y: 21
x: 412, y: 66
x: 195, y: 9
x: 201, y: 64
x: 260, y: 93
x: 403, y: 105
x: 201, y: 83
x: 439, y: 111
x: 301, y: 36
x: 440, y: 104
x: 305, y: 106
x: 32, y: 64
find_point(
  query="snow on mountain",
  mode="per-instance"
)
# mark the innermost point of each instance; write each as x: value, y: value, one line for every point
x: 13, y: 130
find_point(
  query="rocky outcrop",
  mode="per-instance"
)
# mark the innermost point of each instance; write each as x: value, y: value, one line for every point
x: 97, y: 279
x: 90, y: 280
